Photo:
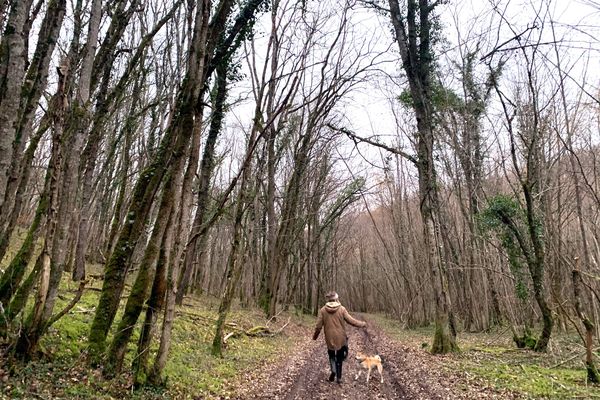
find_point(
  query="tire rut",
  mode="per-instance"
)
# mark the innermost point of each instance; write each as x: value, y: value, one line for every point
x: 394, y: 390
x: 395, y: 363
x: 305, y: 376
x: 408, y: 373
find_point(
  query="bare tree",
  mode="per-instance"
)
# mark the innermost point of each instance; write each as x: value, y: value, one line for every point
x: 413, y: 31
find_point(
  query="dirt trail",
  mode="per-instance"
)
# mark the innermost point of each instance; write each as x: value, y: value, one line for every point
x: 408, y: 373
x: 305, y: 375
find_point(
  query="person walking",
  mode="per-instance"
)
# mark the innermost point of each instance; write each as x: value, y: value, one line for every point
x: 332, y: 318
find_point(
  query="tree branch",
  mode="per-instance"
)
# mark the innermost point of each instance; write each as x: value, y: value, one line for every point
x: 357, y: 139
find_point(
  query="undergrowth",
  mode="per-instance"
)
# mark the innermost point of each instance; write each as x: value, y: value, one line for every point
x: 493, y: 357
x: 61, y: 372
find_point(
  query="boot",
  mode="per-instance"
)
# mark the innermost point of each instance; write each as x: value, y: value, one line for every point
x: 333, y: 368
x: 338, y: 372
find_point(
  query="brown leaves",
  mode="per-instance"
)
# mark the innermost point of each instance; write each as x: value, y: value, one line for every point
x: 409, y: 373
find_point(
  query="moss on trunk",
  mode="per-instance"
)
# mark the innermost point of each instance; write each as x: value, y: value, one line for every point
x: 155, y: 304
x: 527, y: 341
x: 139, y: 292
x: 20, y: 299
x: 592, y: 373
x: 13, y: 275
x: 443, y: 339
x: 118, y: 263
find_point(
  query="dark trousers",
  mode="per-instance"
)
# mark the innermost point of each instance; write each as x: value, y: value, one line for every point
x: 336, y: 358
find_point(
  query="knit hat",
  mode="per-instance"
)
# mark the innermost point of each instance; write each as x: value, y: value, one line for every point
x: 331, y: 296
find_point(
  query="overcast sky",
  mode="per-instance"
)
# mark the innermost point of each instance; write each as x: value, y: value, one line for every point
x: 465, y: 22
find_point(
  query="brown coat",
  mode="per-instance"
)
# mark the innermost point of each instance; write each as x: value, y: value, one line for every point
x: 332, y: 318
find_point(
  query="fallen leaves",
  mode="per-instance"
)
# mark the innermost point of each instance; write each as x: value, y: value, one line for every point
x: 409, y: 373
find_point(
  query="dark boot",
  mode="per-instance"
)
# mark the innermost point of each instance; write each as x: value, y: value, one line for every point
x: 332, y: 367
x: 338, y: 372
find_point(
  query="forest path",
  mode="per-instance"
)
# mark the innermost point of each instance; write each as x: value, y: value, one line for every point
x: 302, y: 374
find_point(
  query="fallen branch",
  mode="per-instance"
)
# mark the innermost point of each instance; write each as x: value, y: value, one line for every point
x: 283, y: 327
x: 230, y: 334
x: 70, y: 305
x: 259, y: 331
x: 567, y: 360
x: 256, y: 331
x: 196, y: 317
x: 274, y: 317
x: 81, y: 310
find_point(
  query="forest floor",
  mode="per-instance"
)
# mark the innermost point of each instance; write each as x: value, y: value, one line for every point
x: 409, y: 373
x: 488, y: 366
x: 289, y: 365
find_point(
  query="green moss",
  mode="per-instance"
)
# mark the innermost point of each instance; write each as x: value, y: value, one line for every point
x: 443, y: 342
x: 592, y: 373
x: 527, y: 341
x: 536, y: 381
x: 492, y: 358
x: 191, y: 371
x: 194, y: 369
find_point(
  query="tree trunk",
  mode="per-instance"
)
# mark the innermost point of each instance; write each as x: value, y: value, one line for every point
x: 12, y: 71
x: 537, y: 273
x: 11, y: 279
x: 233, y: 270
x: 31, y: 90
x: 206, y: 170
x: 34, y: 326
x: 118, y: 265
x: 25, y: 172
x: 3, y: 10
x: 173, y: 142
x: 160, y: 361
x: 414, y: 41
x: 155, y: 304
x: 120, y: 200
x: 592, y: 372
x: 204, y: 42
x: 139, y: 291
x: 82, y: 108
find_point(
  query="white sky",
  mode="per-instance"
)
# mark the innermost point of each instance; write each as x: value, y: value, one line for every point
x: 369, y: 109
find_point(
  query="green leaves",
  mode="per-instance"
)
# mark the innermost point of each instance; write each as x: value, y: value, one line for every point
x: 505, y: 218
x: 441, y: 98
x: 500, y: 210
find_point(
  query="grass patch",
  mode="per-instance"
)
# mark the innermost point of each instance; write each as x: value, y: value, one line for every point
x: 191, y: 371
x: 494, y: 358
x: 533, y: 380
